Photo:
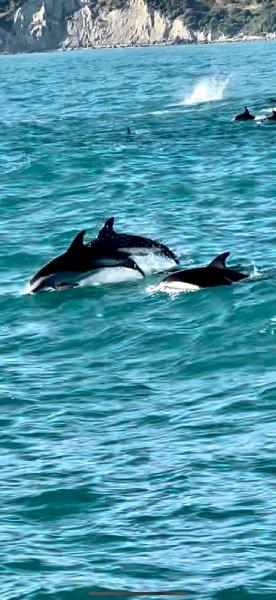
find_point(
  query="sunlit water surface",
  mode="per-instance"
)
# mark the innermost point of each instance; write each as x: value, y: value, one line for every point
x: 138, y: 428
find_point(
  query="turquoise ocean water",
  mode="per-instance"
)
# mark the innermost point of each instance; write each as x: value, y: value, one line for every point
x: 138, y: 428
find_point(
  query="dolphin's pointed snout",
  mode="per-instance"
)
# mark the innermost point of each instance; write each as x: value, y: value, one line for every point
x: 40, y: 284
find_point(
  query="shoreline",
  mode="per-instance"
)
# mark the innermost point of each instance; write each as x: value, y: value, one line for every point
x: 266, y: 37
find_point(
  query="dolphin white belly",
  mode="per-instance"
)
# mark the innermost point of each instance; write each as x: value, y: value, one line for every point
x: 110, y: 275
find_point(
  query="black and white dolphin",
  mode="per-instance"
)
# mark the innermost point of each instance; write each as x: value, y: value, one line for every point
x: 214, y: 274
x: 78, y: 263
x: 138, y: 247
x: 245, y: 116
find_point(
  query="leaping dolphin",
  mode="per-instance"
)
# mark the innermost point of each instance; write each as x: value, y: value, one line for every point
x: 135, y: 245
x: 214, y: 274
x: 77, y: 264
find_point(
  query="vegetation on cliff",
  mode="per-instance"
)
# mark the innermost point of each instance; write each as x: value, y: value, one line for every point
x: 7, y: 10
x: 230, y: 18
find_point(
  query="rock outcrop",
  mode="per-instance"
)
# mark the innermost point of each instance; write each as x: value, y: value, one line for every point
x: 40, y: 25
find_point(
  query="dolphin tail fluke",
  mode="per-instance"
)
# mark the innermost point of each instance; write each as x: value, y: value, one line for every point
x: 219, y: 261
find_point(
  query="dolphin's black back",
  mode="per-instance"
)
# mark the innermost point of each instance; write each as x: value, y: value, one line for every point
x: 207, y: 276
x: 245, y: 116
x: 129, y: 241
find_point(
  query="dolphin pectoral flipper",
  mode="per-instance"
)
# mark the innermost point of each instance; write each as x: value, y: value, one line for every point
x: 227, y: 281
x: 131, y: 264
x: 128, y: 262
x: 116, y: 258
x: 65, y: 285
x: 219, y: 261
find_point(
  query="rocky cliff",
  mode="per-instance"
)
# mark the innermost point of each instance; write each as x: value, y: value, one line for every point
x: 38, y: 25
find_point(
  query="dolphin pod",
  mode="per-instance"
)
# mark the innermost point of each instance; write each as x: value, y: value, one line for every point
x: 247, y: 116
x: 111, y: 250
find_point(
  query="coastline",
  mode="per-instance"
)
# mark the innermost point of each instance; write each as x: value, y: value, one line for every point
x: 265, y: 37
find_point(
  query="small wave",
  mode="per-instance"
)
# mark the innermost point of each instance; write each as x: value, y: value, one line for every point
x: 256, y: 273
x: 206, y: 90
x: 172, y: 289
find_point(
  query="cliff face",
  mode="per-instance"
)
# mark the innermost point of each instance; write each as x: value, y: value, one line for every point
x: 48, y: 24
x: 135, y: 24
x: 37, y: 25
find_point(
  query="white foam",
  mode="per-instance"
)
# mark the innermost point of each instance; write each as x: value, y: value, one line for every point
x: 27, y: 290
x: 153, y: 263
x: 206, y: 90
x: 256, y: 273
x: 173, y: 287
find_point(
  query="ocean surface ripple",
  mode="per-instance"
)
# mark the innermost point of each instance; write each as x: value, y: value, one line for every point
x: 138, y: 429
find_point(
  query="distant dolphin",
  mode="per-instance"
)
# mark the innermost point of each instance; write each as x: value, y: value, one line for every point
x: 77, y: 264
x: 214, y: 274
x: 245, y: 116
x: 133, y: 244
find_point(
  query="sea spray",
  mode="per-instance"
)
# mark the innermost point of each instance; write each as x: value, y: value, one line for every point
x: 206, y: 90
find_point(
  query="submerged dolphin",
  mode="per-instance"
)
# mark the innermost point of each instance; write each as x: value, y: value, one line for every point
x: 77, y: 263
x: 245, y: 116
x: 216, y: 273
x: 133, y: 244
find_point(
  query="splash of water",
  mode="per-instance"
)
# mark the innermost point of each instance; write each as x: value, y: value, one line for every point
x: 207, y: 90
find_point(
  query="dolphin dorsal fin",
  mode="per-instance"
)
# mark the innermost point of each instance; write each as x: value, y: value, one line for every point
x: 77, y: 243
x: 107, y: 229
x: 108, y: 226
x: 219, y: 261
